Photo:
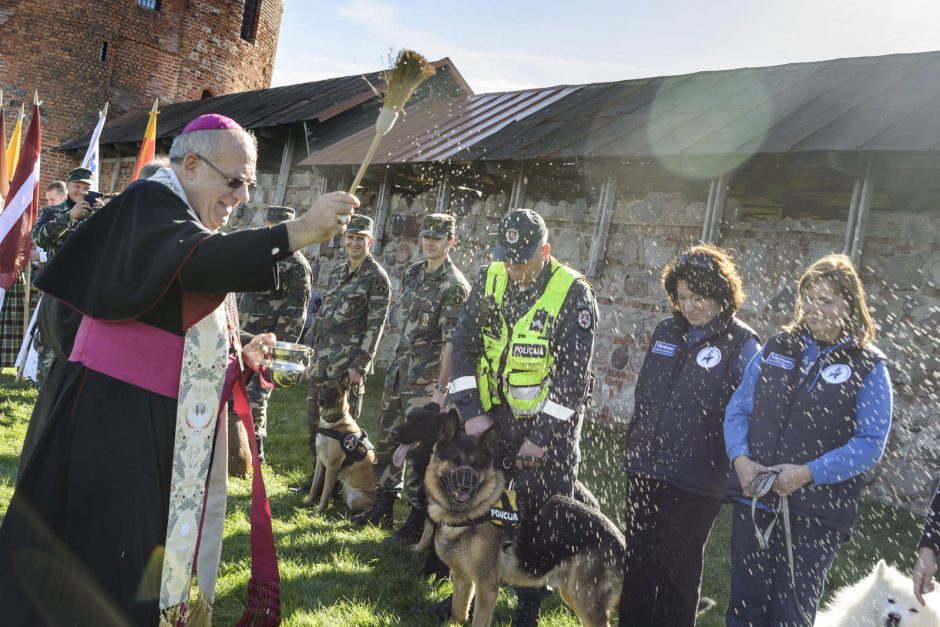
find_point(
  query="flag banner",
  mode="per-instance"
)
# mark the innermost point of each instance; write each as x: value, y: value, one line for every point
x: 146, y: 153
x: 92, y: 159
x: 13, y: 149
x: 4, y: 171
x: 21, y: 209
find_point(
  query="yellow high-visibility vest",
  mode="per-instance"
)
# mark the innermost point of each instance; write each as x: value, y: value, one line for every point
x: 516, y: 363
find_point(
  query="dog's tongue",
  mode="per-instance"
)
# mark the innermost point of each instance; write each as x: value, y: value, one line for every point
x: 398, y: 457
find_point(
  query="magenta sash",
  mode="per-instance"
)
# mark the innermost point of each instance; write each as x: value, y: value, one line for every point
x: 131, y: 351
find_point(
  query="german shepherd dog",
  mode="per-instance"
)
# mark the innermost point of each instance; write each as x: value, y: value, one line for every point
x: 342, y: 452
x: 581, y: 551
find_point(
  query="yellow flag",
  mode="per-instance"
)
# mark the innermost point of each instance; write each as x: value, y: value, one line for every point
x: 13, y: 150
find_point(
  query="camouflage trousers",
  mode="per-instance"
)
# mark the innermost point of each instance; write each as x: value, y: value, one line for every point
x: 258, y: 401
x: 399, y: 400
x: 356, y: 393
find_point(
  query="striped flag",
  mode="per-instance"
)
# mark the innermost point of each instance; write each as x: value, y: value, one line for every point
x: 4, y: 172
x: 92, y: 159
x: 21, y: 209
x: 150, y: 139
x: 13, y: 150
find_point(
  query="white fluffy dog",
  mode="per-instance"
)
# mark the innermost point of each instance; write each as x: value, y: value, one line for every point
x: 885, y: 598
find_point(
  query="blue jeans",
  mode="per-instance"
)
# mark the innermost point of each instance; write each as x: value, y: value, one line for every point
x: 761, y: 591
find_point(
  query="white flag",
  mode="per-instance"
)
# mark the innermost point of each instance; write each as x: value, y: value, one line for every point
x: 92, y: 159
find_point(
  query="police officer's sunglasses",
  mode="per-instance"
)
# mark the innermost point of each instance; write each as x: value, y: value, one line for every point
x: 235, y: 183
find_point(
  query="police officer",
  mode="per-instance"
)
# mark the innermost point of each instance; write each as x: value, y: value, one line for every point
x: 280, y: 311
x: 346, y: 333
x: 53, y: 226
x: 433, y: 292
x: 522, y: 359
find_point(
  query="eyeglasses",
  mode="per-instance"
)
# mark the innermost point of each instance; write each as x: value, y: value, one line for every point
x: 234, y: 182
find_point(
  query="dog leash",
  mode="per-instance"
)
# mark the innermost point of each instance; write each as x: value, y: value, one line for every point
x: 761, y: 486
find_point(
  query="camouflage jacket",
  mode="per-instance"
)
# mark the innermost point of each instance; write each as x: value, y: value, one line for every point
x: 430, y: 307
x: 349, y: 325
x: 53, y: 226
x: 282, y: 310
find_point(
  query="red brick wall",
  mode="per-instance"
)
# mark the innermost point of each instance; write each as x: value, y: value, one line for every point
x: 175, y: 54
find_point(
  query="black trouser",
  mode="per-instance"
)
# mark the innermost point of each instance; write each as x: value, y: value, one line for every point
x: 666, y: 531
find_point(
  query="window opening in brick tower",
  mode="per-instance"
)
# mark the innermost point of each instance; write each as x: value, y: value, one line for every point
x: 153, y: 5
x: 250, y: 20
x: 103, y: 51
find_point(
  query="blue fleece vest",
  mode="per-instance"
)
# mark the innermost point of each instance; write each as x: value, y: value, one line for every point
x: 676, y: 433
x: 796, y: 421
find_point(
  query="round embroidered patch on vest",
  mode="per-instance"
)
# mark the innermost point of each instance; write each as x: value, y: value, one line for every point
x: 708, y: 357
x: 837, y: 373
x: 350, y: 442
x: 585, y: 319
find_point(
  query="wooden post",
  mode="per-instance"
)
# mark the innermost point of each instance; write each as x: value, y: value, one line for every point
x: 852, y: 219
x: 517, y: 197
x: 864, y: 208
x: 116, y: 174
x: 281, y: 190
x: 443, y: 194
x: 709, y: 208
x: 606, y: 201
x: 381, y: 208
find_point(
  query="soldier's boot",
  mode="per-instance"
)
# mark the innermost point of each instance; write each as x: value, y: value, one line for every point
x: 260, y: 443
x: 410, y: 532
x: 528, y: 606
x: 381, y: 514
x: 441, y: 609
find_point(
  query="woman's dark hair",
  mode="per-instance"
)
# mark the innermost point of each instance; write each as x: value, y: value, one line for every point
x: 709, y: 272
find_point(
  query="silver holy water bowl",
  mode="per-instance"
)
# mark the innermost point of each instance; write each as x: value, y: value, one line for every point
x: 288, y: 361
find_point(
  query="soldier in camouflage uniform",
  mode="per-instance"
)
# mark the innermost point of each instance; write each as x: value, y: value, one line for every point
x: 53, y: 226
x: 433, y: 292
x: 349, y: 324
x: 280, y: 311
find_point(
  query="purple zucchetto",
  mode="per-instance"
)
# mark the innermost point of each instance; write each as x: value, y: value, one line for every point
x: 211, y: 122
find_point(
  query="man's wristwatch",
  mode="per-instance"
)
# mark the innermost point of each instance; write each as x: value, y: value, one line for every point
x: 440, y: 387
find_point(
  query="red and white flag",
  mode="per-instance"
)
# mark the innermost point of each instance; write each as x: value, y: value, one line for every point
x: 21, y: 209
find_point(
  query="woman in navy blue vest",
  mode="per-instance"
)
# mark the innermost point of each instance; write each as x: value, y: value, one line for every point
x: 675, y: 462
x: 815, y: 408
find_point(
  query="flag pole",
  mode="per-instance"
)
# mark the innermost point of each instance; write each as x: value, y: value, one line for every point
x: 27, y: 288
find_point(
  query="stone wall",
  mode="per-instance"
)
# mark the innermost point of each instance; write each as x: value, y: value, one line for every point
x: 900, y: 267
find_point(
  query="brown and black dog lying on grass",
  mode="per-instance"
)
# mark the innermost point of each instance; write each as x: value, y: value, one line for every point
x: 343, y: 452
x: 581, y: 553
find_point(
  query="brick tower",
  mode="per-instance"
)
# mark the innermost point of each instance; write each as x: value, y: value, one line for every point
x: 127, y: 52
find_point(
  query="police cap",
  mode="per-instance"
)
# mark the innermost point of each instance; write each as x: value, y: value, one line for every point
x: 520, y: 234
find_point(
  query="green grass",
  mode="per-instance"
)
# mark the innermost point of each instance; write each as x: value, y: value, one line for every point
x: 336, y: 574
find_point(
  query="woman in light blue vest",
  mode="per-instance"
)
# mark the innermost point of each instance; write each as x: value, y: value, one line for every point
x: 811, y: 415
x: 675, y: 462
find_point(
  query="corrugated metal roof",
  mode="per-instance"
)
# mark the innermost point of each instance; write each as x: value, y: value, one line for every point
x: 319, y: 100
x: 886, y: 103
x: 437, y: 130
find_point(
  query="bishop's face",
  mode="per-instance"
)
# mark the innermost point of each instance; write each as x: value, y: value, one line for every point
x: 210, y: 180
